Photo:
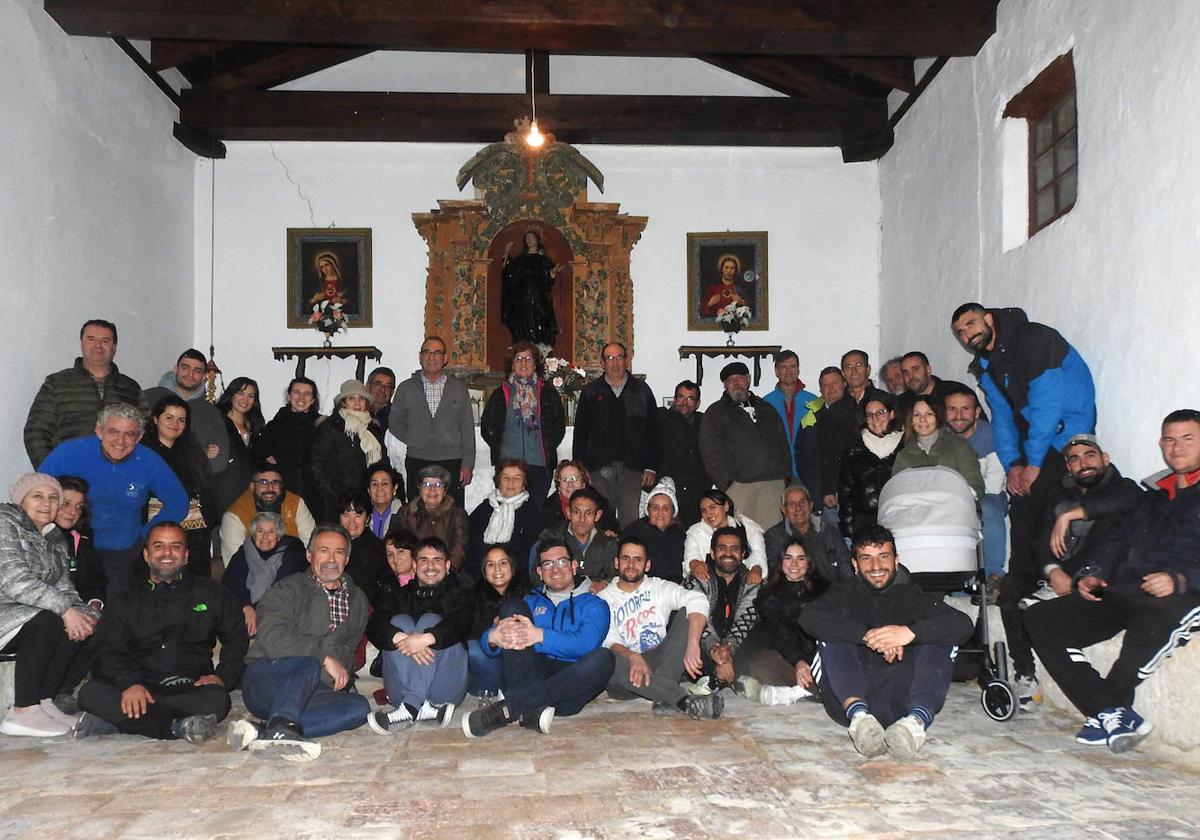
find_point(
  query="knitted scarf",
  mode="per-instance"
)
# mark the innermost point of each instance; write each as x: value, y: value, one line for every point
x: 881, y: 447
x: 261, y: 571
x: 504, y: 516
x: 356, y: 425
x: 525, y: 399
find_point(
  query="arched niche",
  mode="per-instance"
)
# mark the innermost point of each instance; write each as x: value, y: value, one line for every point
x: 516, y: 185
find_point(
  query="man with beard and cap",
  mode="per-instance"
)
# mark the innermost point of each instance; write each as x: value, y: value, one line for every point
x: 550, y: 644
x: 652, y: 650
x: 1143, y: 578
x: 265, y: 493
x: 299, y: 670
x: 153, y: 674
x: 745, y: 448
x: 186, y: 380
x: 884, y: 650
x: 1077, y: 516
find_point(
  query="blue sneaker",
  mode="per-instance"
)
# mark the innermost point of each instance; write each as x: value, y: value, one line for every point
x: 1093, y: 733
x: 1126, y: 728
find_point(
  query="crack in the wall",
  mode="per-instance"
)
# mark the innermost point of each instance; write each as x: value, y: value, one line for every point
x: 287, y: 173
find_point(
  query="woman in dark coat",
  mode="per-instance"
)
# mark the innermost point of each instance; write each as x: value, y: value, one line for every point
x: 244, y: 422
x: 499, y: 582
x: 169, y: 436
x: 287, y: 440
x: 523, y: 418
x: 346, y: 444
x: 508, y: 517
x: 784, y: 667
x: 867, y: 466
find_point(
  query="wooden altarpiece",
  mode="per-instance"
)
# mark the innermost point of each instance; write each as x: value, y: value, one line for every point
x: 518, y: 188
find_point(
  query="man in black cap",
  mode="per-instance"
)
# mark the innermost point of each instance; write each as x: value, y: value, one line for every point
x: 745, y: 449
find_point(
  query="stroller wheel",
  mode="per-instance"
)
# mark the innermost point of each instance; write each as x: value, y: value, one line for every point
x: 999, y: 700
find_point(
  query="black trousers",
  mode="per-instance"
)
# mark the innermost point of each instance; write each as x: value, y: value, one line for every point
x: 44, y: 656
x: 921, y: 678
x: 1023, y: 575
x: 1153, y: 627
x: 103, y: 699
x: 412, y: 466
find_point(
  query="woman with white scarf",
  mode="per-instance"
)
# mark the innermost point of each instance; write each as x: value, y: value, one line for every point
x: 267, y: 556
x: 506, y: 518
x: 867, y: 466
x: 347, y: 443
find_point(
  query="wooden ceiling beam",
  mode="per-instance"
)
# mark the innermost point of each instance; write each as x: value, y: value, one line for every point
x: 641, y: 27
x: 448, y: 117
x: 805, y: 77
x: 894, y: 73
x: 165, y: 54
x: 284, y: 66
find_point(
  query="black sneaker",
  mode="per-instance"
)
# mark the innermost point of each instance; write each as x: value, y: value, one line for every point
x: 486, y: 720
x: 701, y: 706
x: 285, y: 740
x: 195, y: 729
x: 387, y: 723
x: 539, y: 720
x: 90, y: 726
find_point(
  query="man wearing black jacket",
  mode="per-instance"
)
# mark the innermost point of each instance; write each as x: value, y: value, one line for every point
x: 421, y: 628
x: 153, y: 673
x: 885, y: 650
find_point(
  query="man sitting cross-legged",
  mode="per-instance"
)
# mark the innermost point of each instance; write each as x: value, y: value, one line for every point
x: 421, y: 629
x: 1142, y: 577
x: 884, y: 650
x: 309, y: 624
x: 653, y: 649
x: 550, y: 642
x: 153, y: 674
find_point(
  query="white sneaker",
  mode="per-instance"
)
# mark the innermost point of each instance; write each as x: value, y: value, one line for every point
x: 428, y: 711
x: 241, y: 734
x: 905, y: 737
x: 57, y: 715
x: 700, y: 686
x: 866, y: 733
x: 782, y: 695
x: 1029, y: 693
x: 31, y: 722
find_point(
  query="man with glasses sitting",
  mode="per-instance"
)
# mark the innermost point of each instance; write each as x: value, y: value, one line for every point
x: 431, y: 415
x: 266, y: 493
x: 551, y: 646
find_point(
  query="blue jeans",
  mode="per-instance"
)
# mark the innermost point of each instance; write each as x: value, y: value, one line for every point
x: 994, y: 509
x: 407, y: 681
x: 290, y: 688
x: 486, y: 672
x: 532, y: 680
x: 921, y: 678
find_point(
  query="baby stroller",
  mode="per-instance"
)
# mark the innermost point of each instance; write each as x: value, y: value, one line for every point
x: 931, y: 512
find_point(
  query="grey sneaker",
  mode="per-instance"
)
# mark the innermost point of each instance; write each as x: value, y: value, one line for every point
x: 905, y: 737
x: 701, y: 706
x: 388, y: 723
x: 1029, y: 693
x: 195, y: 729
x: 90, y: 726
x: 664, y: 710
x: 866, y: 733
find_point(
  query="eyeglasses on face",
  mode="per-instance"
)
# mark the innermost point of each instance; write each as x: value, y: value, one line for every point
x: 268, y: 482
x: 575, y: 479
x: 433, y: 352
x: 876, y: 415
x: 552, y: 562
x: 432, y: 485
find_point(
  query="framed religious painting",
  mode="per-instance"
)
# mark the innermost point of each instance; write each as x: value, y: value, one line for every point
x: 727, y: 278
x: 329, y: 266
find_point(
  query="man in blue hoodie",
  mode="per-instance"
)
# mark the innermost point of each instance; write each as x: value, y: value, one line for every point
x: 551, y: 644
x: 797, y: 408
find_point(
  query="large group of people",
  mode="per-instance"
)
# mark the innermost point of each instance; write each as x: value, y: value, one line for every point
x: 674, y: 556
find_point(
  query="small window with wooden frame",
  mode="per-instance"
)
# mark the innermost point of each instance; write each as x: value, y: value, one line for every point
x: 1048, y: 104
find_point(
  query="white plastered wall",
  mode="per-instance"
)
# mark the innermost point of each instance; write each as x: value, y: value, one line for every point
x: 95, y: 211
x: 822, y: 217
x: 1116, y: 275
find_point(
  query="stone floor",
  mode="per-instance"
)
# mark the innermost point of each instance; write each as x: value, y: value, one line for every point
x: 614, y: 771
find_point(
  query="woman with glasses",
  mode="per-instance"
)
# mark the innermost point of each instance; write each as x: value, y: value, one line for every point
x: 867, y: 465
x: 434, y: 513
x: 523, y: 418
x: 570, y: 476
x: 507, y: 517
x: 928, y: 443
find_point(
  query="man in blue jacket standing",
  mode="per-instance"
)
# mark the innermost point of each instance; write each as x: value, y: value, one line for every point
x: 551, y: 643
x: 1040, y: 393
x: 797, y: 408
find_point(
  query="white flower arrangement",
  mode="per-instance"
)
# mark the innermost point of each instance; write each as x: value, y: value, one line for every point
x: 563, y: 375
x: 733, y: 317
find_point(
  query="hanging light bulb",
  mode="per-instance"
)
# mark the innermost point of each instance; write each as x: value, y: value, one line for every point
x: 534, y: 138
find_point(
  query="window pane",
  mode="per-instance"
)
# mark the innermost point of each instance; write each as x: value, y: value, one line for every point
x: 1068, y: 185
x: 1065, y: 153
x: 1066, y: 114
x: 1044, y: 133
x: 1045, y: 205
x: 1044, y: 170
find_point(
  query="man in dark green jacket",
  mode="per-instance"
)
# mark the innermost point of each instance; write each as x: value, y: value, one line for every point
x: 66, y: 405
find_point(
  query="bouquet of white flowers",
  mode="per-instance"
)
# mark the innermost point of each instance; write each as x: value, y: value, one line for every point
x: 564, y: 376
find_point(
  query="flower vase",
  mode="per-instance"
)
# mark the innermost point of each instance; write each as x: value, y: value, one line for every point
x: 730, y: 338
x: 328, y: 340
